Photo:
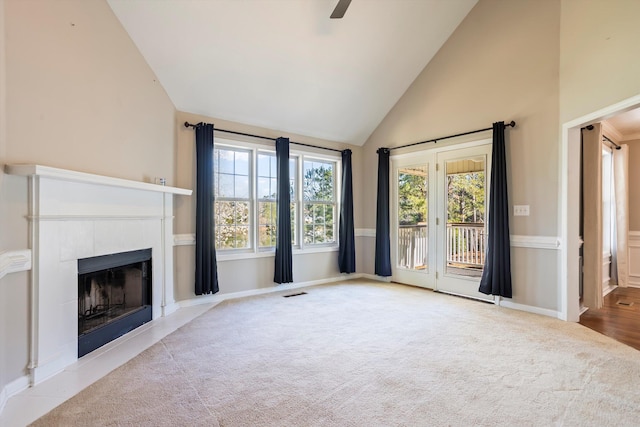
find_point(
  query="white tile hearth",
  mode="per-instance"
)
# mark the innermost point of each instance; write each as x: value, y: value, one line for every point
x: 32, y: 403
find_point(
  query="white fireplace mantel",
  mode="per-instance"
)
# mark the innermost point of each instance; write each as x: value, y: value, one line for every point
x: 69, y: 175
x: 74, y: 215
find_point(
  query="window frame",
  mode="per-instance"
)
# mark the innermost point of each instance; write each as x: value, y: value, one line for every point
x: 295, y: 231
x: 334, y: 202
x: 250, y: 200
x: 255, y: 251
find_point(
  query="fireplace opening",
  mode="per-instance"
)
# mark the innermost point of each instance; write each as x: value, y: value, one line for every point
x: 114, y: 297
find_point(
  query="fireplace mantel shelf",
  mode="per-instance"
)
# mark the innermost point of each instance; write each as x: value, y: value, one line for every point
x: 69, y: 175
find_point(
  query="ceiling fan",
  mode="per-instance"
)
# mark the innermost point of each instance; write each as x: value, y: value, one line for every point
x: 340, y: 9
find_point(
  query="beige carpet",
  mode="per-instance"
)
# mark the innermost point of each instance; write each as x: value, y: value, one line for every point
x: 367, y: 354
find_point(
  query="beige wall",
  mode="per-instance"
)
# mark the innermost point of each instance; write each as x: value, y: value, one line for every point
x: 501, y: 63
x: 80, y: 96
x: 634, y: 189
x: 3, y: 320
x: 75, y: 93
x: 248, y: 274
x: 599, y: 55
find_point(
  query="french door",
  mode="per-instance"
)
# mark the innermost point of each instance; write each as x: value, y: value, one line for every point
x: 439, y: 216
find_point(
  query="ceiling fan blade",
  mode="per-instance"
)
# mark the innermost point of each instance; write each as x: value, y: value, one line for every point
x: 340, y: 9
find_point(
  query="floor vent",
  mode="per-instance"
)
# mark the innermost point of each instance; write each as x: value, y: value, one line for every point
x: 625, y: 303
x: 294, y: 295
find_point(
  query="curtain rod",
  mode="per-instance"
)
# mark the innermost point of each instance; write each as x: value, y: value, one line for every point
x: 614, y: 144
x: 435, y: 140
x: 187, y: 125
x: 590, y: 127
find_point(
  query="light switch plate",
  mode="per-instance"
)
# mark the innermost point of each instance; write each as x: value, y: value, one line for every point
x: 520, y: 210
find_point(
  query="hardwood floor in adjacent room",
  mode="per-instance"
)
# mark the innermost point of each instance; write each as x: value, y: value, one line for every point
x: 619, y: 317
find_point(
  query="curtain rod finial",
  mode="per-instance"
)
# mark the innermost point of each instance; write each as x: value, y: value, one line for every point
x: 512, y: 124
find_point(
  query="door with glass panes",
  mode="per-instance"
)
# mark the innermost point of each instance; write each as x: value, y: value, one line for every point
x: 439, y: 211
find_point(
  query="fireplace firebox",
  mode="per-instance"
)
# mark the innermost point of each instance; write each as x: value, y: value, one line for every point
x: 114, y: 297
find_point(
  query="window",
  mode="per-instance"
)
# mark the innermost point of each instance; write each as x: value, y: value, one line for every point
x: 245, y: 189
x: 267, y: 192
x: 319, y: 202
x: 232, y: 198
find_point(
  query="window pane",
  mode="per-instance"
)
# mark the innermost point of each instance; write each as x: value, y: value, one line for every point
x: 224, y: 214
x: 232, y: 225
x: 267, y: 224
x: 226, y: 161
x: 241, y: 213
x: 318, y: 223
x: 242, y: 237
x: 318, y: 180
x: 263, y: 165
x: 225, y: 185
x: 242, y: 187
x: 413, y: 198
x: 263, y: 188
x: 267, y: 176
x: 242, y: 163
x: 308, y: 234
x: 231, y: 173
x: 266, y: 236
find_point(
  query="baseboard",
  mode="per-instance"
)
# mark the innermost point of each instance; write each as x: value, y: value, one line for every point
x: 216, y: 298
x: 13, y: 388
x: 607, y: 289
x: 373, y: 277
x: 529, y: 308
x: 279, y: 288
x: 49, y: 369
x: 170, y: 308
x: 634, y: 281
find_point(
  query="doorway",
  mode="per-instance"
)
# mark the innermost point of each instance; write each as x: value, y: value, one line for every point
x: 439, y: 209
x: 570, y: 205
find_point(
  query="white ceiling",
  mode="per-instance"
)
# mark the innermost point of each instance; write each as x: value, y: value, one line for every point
x: 627, y: 125
x: 283, y: 64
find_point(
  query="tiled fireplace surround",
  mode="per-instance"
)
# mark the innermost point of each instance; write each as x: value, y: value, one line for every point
x: 75, y: 215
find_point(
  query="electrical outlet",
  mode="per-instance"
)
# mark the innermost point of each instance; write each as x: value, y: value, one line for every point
x: 520, y: 210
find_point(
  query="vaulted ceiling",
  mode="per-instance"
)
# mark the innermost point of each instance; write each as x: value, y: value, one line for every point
x: 283, y: 64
